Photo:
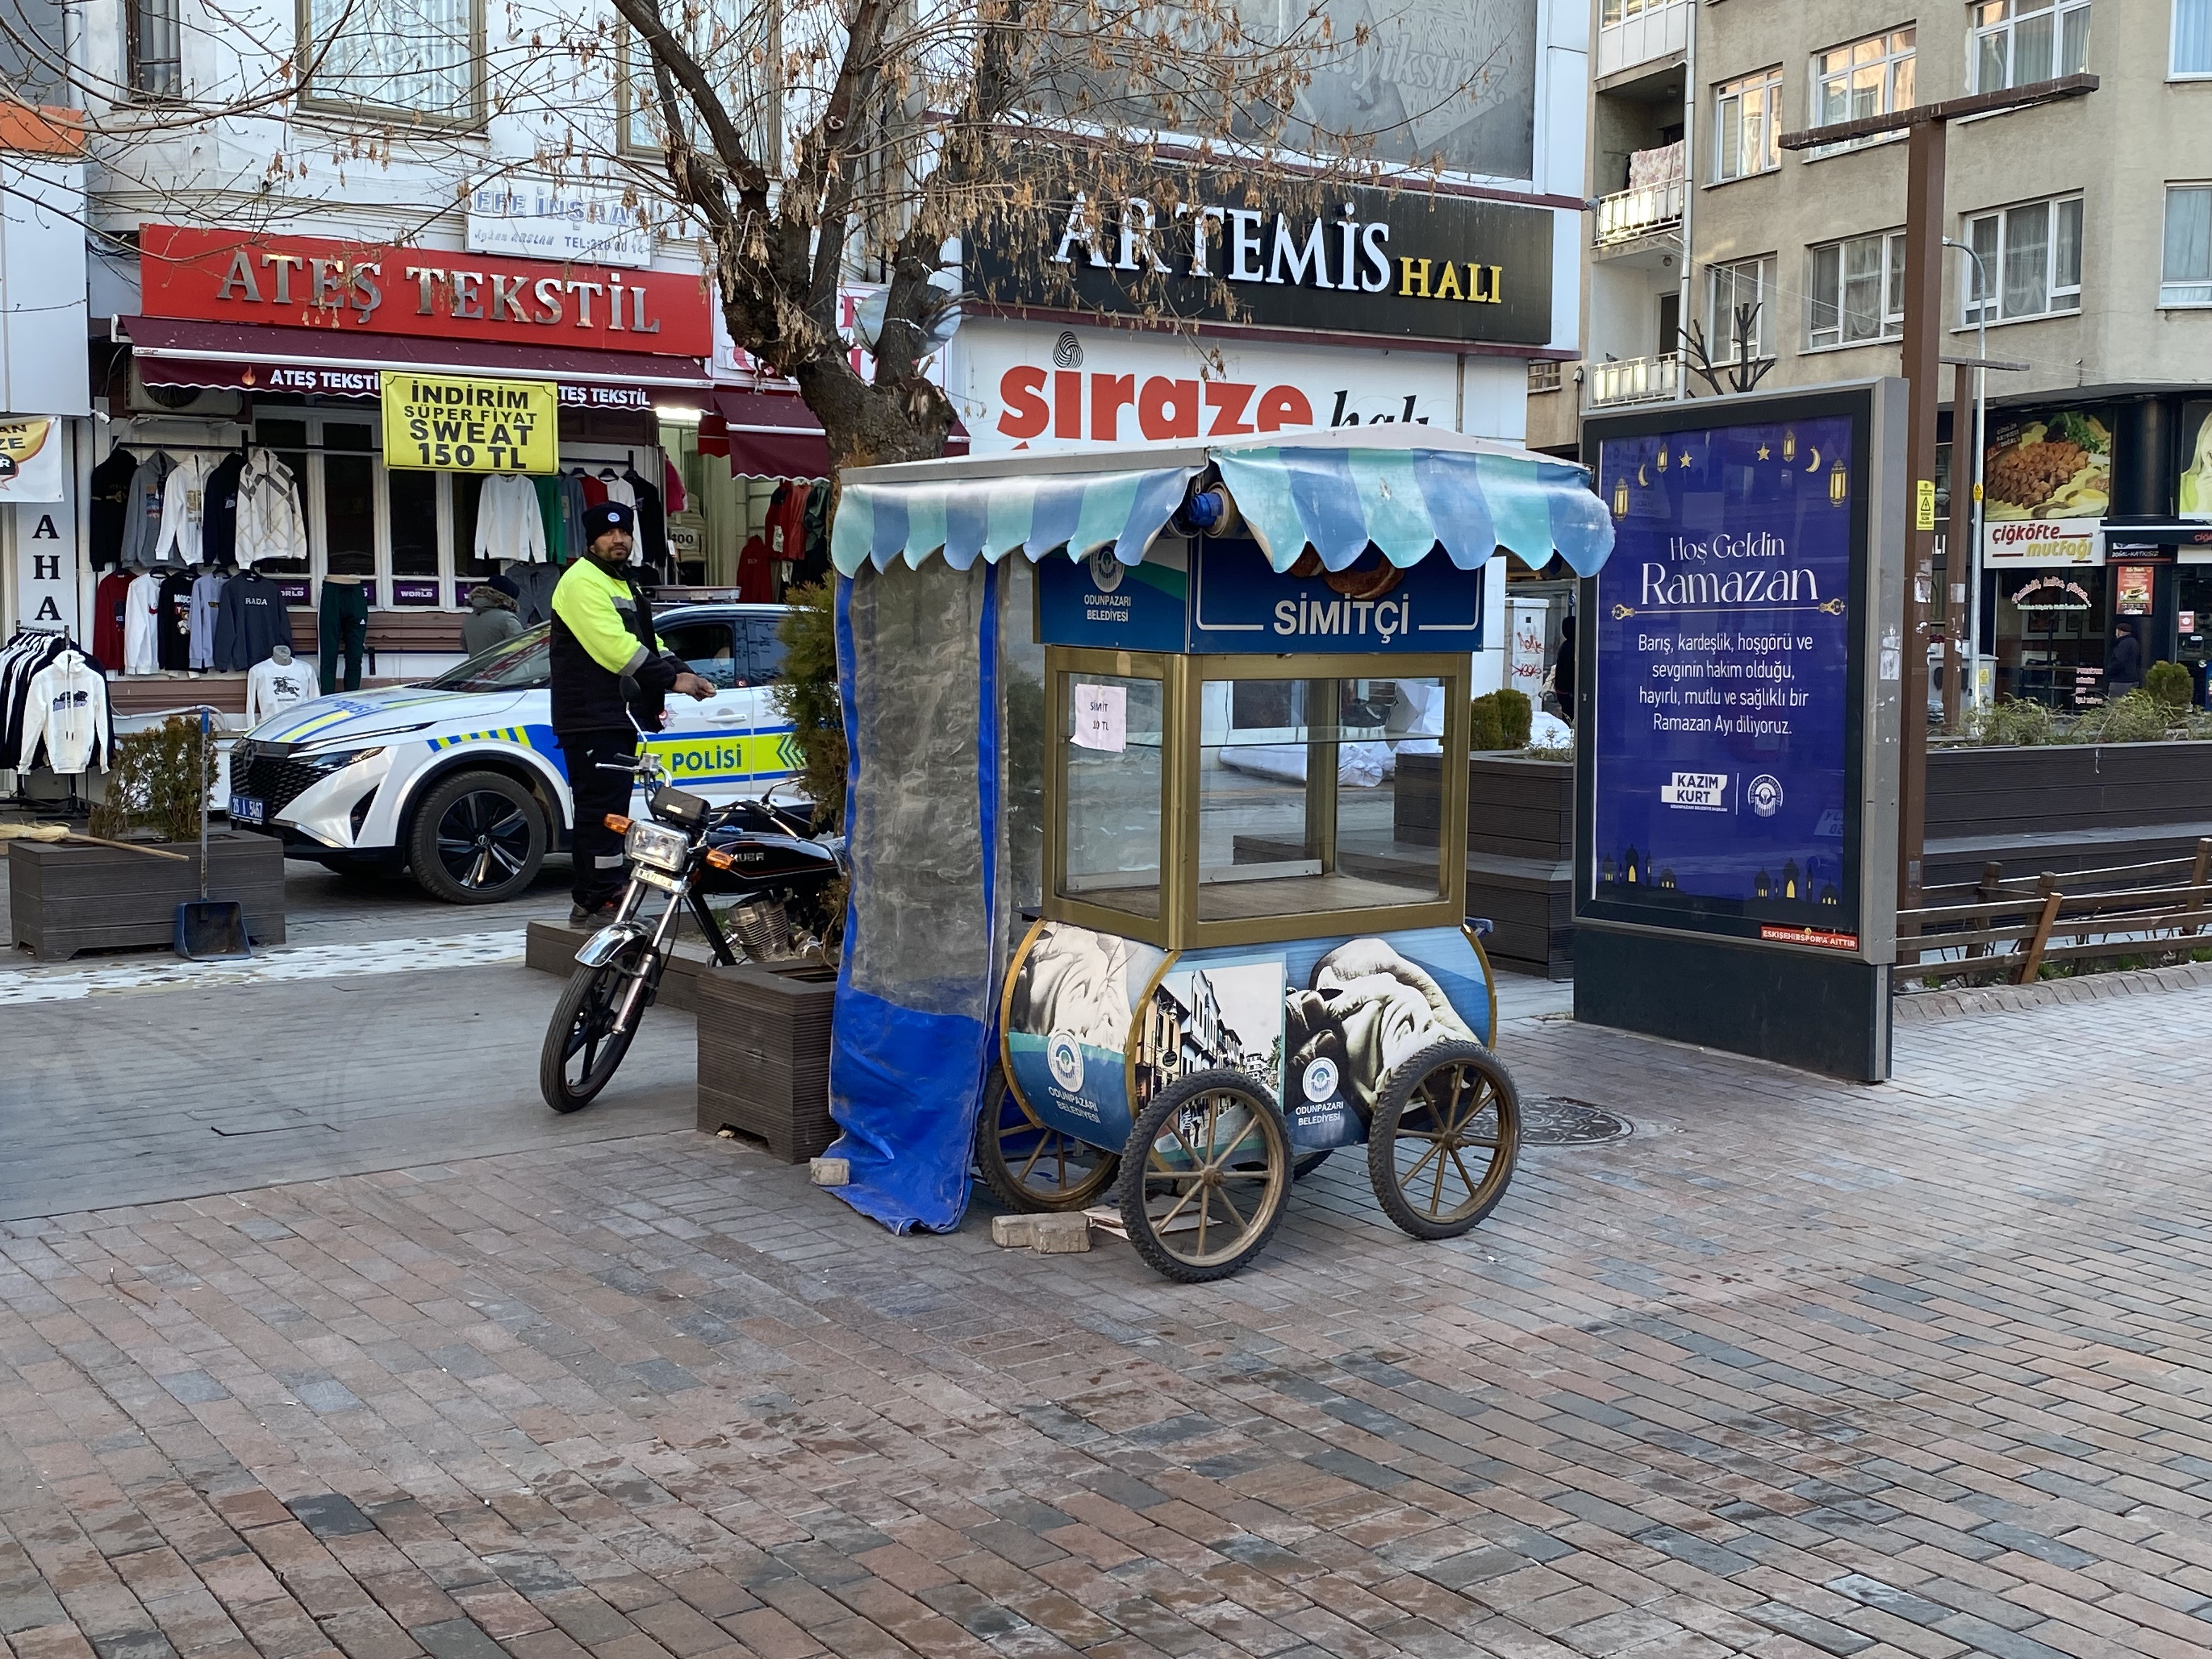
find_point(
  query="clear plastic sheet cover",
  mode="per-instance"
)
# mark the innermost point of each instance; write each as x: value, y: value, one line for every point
x: 1022, y: 761
x: 923, y: 937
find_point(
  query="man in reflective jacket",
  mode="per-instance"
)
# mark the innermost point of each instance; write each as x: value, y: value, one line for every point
x: 611, y: 676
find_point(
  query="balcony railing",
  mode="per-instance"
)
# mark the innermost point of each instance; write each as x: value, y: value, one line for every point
x: 1635, y: 380
x: 1628, y: 214
x: 1632, y: 32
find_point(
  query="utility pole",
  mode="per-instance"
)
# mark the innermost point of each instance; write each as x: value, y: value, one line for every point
x: 1927, y: 125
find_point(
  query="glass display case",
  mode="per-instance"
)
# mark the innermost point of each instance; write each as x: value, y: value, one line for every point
x: 1206, y: 800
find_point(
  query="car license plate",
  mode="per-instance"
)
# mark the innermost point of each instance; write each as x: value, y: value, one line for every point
x: 245, y: 809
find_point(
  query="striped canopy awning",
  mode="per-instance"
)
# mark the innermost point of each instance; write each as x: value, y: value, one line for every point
x: 1405, y: 490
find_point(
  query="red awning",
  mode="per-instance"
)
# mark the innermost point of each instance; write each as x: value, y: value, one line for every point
x: 774, y: 434
x: 172, y: 352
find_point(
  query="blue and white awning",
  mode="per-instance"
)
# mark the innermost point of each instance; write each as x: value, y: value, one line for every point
x: 1407, y: 491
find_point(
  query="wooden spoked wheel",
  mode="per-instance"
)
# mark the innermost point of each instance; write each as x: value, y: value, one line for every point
x: 1030, y: 1166
x: 1206, y: 1176
x: 1445, y: 1134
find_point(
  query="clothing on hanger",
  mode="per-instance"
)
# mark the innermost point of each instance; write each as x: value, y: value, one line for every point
x: 547, y: 487
x: 271, y: 522
x: 107, y: 603
x: 173, y: 643
x: 107, y: 495
x: 756, y: 580
x: 251, y: 619
x: 533, y: 585
x: 219, y: 524
x: 184, y: 504
x: 595, y: 488
x: 617, y: 487
x: 21, y: 660
x: 651, y: 545
x: 341, y: 631
x: 65, y: 709
x: 508, y: 524
x: 671, y: 487
x: 206, y: 594
x: 573, y: 504
x: 271, y: 687
x: 787, y: 520
x: 814, y: 560
x: 142, y: 508
x: 142, y: 607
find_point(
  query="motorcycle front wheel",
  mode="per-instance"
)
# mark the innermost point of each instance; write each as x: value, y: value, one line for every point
x: 582, y: 1048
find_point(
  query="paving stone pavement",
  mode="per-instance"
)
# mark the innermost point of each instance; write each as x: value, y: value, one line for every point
x: 1798, y: 1368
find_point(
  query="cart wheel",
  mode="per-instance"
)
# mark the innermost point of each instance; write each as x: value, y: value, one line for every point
x: 1446, y: 1131
x: 1206, y: 1176
x: 1307, y: 1162
x: 1030, y: 1167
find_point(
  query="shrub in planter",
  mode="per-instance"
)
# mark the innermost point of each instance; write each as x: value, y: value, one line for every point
x: 2138, y: 717
x: 2170, y: 684
x: 2015, y: 723
x: 154, y: 784
x: 1499, y: 720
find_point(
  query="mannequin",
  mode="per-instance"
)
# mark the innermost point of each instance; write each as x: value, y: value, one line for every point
x: 276, y: 683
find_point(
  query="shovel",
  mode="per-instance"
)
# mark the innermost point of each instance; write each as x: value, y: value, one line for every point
x: 209, y: 930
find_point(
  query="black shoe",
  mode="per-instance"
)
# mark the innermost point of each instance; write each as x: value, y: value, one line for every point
x: 595, y: 915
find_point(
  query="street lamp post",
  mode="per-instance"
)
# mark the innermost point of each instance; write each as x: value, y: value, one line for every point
x: 1927, y: 125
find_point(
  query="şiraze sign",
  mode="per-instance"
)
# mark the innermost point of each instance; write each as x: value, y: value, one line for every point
x: 353, y: 287
x: 1207, y: 247
x: 1724, y: 790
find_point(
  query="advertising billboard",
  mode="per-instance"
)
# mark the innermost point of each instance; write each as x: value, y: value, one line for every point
x: 1730, y: 664
x: 2047, y: 486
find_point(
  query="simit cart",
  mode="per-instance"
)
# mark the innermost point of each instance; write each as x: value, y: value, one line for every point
x: 1158, y: 895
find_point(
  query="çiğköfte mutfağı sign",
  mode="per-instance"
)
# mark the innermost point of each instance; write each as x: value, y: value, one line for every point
x: 1722, y: 740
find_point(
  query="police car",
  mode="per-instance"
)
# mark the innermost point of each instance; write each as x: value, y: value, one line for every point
x: 459, y: 779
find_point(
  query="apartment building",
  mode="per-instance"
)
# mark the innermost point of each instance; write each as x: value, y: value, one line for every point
x: 1716, y: 257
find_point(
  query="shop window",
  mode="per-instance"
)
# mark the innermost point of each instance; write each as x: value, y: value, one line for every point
x: 1857, y: 291
x: 1297, y: 814
x: 2033, y: 255
x: 2049, y: 635
x: 1749, y: 282
x: 411, y: 508
x: 152, y: 46
x: 1873, y: 77
x: 1747, y: 125
x: 733, y: 40
x: 422, y: 57
x: 1113, y: 729
x: 2192, y: 38
x: 2019, y: 41
x: 2186, y: 279
x: 467, y: 491
x: 348, y: 495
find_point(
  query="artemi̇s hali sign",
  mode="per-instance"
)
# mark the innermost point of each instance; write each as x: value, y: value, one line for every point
x: 1726, y: 743
x: 1210, y: 247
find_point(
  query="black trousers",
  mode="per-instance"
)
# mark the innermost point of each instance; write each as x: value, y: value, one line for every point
x: 596, y: 850
x: 341, y: 629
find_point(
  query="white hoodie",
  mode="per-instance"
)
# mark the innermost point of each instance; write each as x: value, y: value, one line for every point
x: 183, y: 505
x: 271, y: 522
x: 66, y: 707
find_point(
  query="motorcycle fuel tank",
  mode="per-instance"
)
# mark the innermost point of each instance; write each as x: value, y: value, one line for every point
x: 765, y: 862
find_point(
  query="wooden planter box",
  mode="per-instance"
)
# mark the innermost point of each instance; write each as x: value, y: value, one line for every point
x: 764, y: 1055
x: 63, y: 898
x: 2062, y: 807
x: 1520, y: 850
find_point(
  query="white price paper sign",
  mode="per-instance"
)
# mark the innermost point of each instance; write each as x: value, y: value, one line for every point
x: 1101, y: 717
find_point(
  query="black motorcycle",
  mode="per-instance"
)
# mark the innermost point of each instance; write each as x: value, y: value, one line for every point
x: 784, y: 895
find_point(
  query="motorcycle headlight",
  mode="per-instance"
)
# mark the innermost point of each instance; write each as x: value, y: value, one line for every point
x: 656, y: 847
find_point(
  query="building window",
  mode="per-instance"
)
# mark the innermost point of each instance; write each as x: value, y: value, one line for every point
x: 1616, y: 12
x: 418, y: 56
x: 1747, y: 283
x: 733, y: 40
x: 2034, y: 256
x: 2017, y: 41
x: 1543, y: 375
x: 151, y: 40
x: 2187, y: 278
x: 2192, y: 37
x: 1873, y: 77
x: 1747, y: 125
x: 1858, y: 291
